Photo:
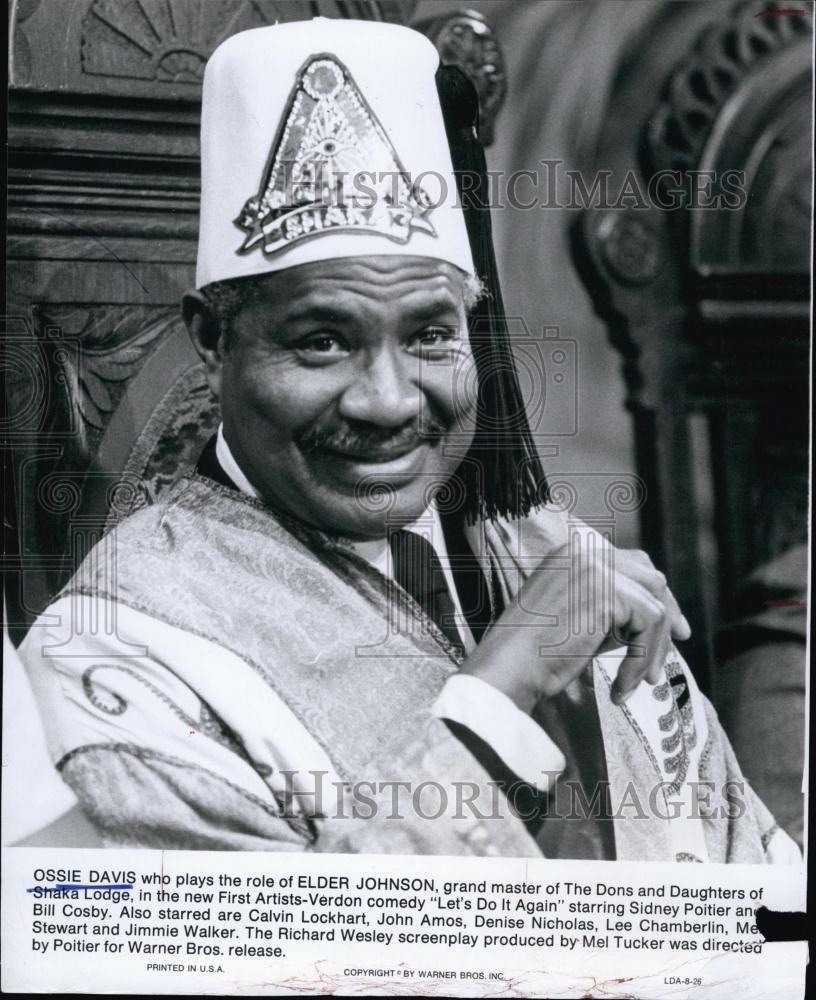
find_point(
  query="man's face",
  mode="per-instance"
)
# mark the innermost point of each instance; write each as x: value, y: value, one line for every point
x: 343, y: 376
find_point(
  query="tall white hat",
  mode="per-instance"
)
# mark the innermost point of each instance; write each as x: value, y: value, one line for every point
x: 323, y: 139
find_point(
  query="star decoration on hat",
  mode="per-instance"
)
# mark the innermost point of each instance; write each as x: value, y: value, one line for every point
x: 332, y: 168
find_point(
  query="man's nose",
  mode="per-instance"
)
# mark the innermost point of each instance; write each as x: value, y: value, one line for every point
x: 385, y: 391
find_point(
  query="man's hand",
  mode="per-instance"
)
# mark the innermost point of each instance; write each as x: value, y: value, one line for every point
x: 637, y: 565
x: 607, y: 598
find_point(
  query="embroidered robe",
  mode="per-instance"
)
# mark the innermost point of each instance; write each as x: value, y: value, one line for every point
x: 170, y: 751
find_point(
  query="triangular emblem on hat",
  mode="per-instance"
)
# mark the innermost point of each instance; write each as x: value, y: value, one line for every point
x: 332, y: 169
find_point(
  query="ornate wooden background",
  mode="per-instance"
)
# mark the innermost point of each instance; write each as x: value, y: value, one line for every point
x: 710, y: 307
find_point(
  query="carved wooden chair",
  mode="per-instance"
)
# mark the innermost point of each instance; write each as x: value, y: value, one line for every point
x: 709, y: 307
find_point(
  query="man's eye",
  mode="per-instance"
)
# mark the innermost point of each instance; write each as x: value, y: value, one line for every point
x: 437, y: 337
x: 322, y: 344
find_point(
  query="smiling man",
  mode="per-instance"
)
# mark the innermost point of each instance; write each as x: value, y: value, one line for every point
x: 342, y: 372
x: 358, y: 626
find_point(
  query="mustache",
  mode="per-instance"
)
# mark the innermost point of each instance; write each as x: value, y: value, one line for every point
x: 360, y: 438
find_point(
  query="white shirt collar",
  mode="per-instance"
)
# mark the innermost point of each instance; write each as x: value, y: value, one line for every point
x: 231, y: 467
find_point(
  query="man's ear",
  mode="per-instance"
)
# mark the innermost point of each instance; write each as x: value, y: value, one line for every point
x: 205, y: 334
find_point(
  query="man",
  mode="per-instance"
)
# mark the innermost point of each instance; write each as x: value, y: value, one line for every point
x: 359, y: 613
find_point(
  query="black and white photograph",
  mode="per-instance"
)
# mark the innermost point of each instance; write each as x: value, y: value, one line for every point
x: 406, y: 453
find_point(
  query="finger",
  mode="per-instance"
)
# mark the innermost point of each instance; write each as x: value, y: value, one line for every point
x: 640, y: 618
x: 636, y: 609
x: 644, y: 662
x: 657, y: 663
x: 678, y: 623
x: 647, y: 633
x: 638, y: 566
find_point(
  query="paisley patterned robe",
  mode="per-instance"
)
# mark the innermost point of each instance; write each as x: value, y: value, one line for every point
x: 168, y: 742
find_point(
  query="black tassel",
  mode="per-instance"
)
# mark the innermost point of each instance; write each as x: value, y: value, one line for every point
x: 502, y: 473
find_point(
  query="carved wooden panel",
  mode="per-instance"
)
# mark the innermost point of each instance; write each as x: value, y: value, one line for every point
x: 709, y: 308
x: 148, y: 47
x: 105, y: 405
x: 753, y: 72
x: 168, y: 42
x: 465, y: 39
